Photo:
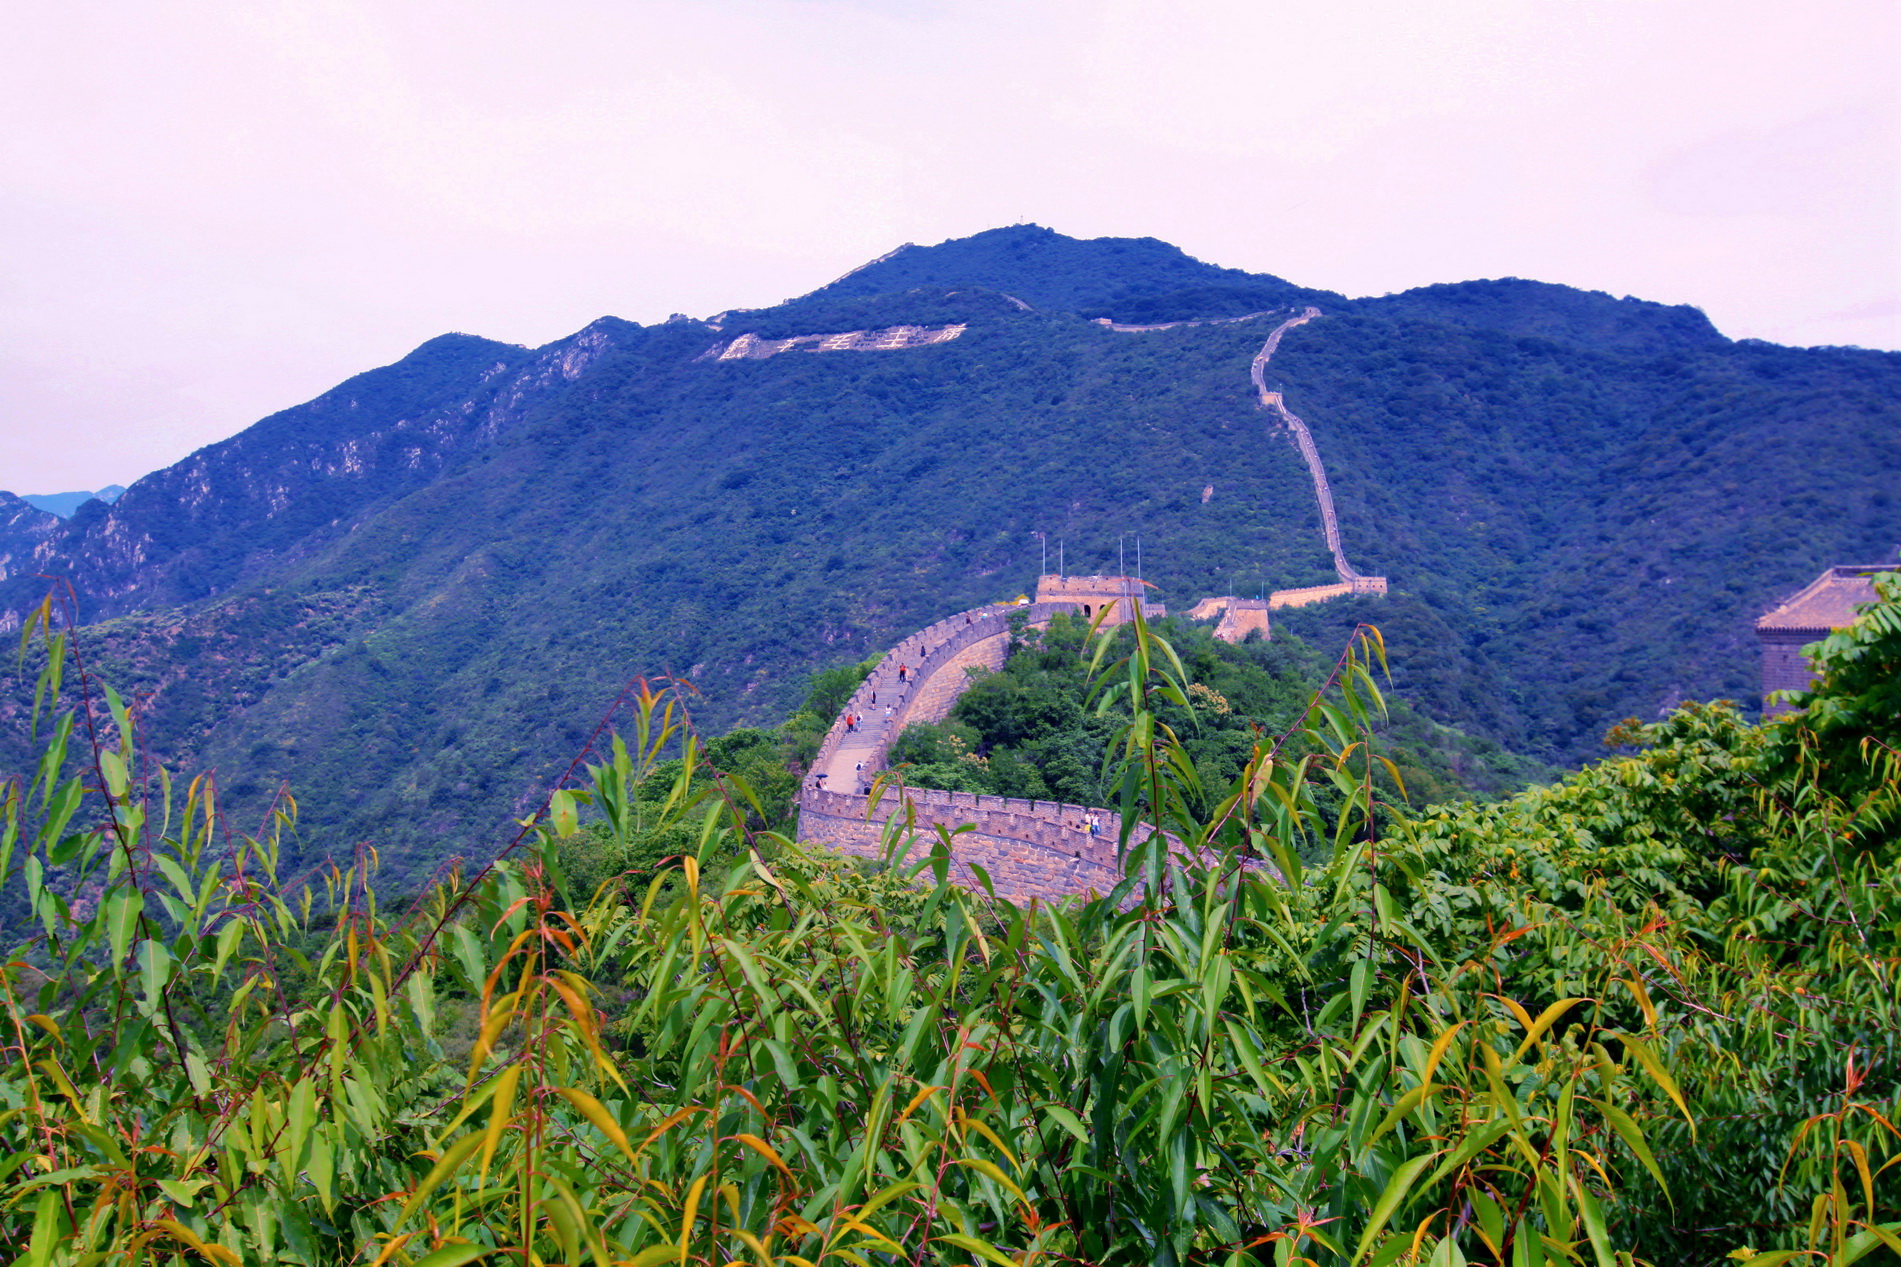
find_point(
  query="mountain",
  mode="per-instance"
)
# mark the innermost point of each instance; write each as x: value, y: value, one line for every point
x: 64, y: 504
x: 415, y: 596
x: 1129, y: 279
x: 24, y: 530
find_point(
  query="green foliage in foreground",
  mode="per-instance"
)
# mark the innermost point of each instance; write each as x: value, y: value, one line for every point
x: 631, y: 839
x: 1647, y: 1013
x: 1029, y: 729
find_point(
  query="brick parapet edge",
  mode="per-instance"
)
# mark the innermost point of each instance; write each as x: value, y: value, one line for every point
x: 943, y: 641
x: 1028, y: 848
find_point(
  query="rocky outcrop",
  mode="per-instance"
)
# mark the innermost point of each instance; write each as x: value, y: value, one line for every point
x: 750, y: 347
x: 24, y: 529
x: 296, y: 480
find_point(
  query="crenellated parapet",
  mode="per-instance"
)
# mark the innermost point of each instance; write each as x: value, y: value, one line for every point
x: 1040, y: 849
x: 1027, y: 848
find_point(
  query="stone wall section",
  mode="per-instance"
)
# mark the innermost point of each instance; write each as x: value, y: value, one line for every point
x: 1242, y: 617
x: 1321, y: 593
x: 1029, y: 849
x: 934, y: 698
x: 1784, y: 667
x: 1309, y: 452
x: 1091, y: 595
x: 928, y: 655
x: 1171, y: 325
x: 1831, y: 601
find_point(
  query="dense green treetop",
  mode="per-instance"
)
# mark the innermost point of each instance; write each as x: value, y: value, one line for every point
x: 1033, y: 729
x: 1055, y: 273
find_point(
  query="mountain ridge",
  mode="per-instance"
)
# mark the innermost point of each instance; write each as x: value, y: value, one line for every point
x: 530, y: 528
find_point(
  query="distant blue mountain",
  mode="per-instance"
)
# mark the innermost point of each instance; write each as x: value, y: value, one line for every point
x: 64, y: 504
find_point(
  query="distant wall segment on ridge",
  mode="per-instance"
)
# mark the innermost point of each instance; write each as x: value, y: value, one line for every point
x: 1321, y: 593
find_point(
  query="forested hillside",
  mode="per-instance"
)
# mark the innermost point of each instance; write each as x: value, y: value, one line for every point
x: 424, y: 588
x: 1031, y: 729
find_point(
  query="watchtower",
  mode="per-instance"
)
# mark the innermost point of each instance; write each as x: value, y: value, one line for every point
x: 1826, y: 604
x: 1239, y: 617
x: 1120, y: 594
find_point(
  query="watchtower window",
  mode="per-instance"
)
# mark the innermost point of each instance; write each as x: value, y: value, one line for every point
x: 1085, y: 609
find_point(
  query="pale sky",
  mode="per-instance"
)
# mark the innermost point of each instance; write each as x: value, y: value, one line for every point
x: 214, y: 209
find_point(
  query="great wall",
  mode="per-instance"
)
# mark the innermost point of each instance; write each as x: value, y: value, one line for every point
x: 1237, y: 614
x: 750, y: 347
x: 1027, y: 849
x: 1309, y: 452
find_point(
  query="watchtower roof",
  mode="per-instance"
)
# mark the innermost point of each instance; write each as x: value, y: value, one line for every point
x: 1105, y: 586
x: 1828, y: 602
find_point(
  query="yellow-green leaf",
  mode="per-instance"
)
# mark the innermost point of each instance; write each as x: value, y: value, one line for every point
x: 1396, y: 1189
x: 454, y: 1255
x: 994, y: 1171
x: 981, y: 1249
x: 457, y: 1153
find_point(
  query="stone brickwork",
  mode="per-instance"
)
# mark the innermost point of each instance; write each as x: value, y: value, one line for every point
x: 1321, y: 593
x: 935, y: 665
x: 1830, y: 602
x: 1238, y: 621
x: 933, y: 699
x: 1310, y: 454
x: 1243, y: 617
x: 1239, y: 617
x: 1172, y: 325
x: 1090, y: 594
x: 1784, y: 667
x: 1028, y: 848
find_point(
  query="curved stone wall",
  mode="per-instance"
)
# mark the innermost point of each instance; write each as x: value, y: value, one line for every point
x: 1028, y: 848
x: 935, y: 660
x: 1310, y: 453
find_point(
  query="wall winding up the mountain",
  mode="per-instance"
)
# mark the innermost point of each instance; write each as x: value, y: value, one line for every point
x: 451, y: 564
